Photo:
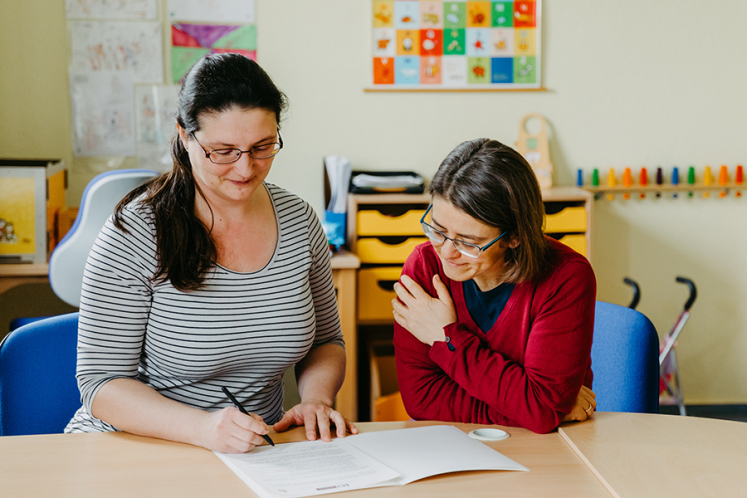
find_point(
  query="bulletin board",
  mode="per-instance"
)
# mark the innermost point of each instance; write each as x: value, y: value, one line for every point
x: 123, y: 86
x: 456, y: 45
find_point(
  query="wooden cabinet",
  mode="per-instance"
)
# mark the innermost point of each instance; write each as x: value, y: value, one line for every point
x: 383, y: 229
x: 344, y: 266
x: 568, y: 217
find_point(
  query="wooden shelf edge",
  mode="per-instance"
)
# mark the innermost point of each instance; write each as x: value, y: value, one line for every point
x: 664, y: 188
x: 464, y: 90
x: 343, y: 259
x: 24, y: 270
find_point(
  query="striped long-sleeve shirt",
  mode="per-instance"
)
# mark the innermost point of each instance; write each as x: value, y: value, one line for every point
x: 241, y: 330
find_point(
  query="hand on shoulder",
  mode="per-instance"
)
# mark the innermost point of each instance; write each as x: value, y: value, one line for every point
x: 422, y: 315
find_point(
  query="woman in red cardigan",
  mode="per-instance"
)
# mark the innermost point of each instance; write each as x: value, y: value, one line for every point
x: 493, y: 321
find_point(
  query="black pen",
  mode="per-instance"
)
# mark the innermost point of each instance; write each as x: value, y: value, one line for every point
x: 238, y: 405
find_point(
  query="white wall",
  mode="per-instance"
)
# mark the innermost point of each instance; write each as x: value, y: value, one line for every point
x: 635, y: 83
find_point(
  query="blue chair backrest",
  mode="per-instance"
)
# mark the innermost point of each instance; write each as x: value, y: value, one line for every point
x: 101, y: 196
x: 38, y: 390
x: 625, y: 360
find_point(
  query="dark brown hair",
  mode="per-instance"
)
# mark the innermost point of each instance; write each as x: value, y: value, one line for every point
x: 185, y: 249
x: 495, y: 185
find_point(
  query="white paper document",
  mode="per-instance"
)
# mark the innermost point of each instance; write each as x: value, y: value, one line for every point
x: 155, y: 112
x: 106, y: 9
x: 231, y: 11
x: 103, y: 121
x: 386, y: 458
x: 395, y: 181
x: 118, y: 46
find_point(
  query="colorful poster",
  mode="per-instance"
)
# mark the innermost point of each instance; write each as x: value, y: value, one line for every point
x: 155, y: 112
x: 191, y: 42
x: 434, y: 44
x: 103, y: 121
x: 118, y: 46
x: 138, y: 10
x: 228, y: 11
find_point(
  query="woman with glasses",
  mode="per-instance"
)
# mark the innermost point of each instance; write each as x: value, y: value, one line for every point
x: 210, y: 282
x: 493, y: 320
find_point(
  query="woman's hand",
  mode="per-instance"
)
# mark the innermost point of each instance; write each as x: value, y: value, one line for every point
x: 230, y: 431
x: 313, y: 415
x: 584, y: 407
x: 422, y: 315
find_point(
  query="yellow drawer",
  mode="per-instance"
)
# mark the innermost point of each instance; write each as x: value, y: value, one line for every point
x: 576, y: 242
x: 571, y: 219
x: 377, y: 251
x: 372, y: 222
x: 375, y: 294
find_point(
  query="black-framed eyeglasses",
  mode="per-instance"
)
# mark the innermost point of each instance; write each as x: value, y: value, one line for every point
x: 227, y: 156
x: 467, y: 248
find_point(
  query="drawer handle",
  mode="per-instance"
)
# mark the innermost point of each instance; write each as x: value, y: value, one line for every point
x: 387, y: 285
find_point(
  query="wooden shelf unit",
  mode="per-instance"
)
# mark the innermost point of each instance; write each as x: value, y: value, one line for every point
x: 562, y: 201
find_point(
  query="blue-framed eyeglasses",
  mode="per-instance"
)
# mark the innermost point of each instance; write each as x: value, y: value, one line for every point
x: 467, y: 248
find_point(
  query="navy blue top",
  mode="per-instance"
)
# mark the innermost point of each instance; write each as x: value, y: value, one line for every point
x: 486, y: 307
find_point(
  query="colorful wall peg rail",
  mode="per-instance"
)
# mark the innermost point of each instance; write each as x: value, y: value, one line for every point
x: 730, y: 180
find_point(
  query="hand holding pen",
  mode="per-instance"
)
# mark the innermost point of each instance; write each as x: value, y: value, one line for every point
x: 241, y: 408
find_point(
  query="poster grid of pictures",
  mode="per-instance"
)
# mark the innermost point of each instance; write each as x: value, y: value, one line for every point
x: 433, y: 44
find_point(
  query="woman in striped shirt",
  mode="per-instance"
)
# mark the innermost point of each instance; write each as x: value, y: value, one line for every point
x: 208, y: 277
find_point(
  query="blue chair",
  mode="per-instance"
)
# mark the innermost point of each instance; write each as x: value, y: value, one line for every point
x: 20, y: 322
x: 38, y: 390
x: 625, y: 360
x: 101, y: 196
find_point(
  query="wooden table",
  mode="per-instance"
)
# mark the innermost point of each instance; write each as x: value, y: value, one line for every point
x: 117, y: 464
x: 13, y: 275
x: 641, y: 455
x: 344, y: 266
x: 614, y: 454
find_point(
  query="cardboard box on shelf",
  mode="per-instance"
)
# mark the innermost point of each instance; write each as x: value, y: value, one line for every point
x: 32, y: 193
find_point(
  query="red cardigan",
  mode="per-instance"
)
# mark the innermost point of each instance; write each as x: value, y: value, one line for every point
x: 526, y: 371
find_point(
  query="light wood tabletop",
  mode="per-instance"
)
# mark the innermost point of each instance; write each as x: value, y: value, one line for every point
x: 641, y: 455
x: 613, y: 454
x: 118, y: 464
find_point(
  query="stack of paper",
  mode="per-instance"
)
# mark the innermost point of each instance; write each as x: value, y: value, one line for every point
x: 338, y: 172
x: 386, y: 458
x: 387, y: 182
